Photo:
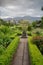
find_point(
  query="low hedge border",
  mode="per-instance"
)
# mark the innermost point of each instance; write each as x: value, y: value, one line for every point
x: 11, y: 49
x: 35, y: 55
x: 13, y: 35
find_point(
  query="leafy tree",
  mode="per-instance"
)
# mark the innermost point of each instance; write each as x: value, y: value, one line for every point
x: 42, y: 22
x: 24, y: 24
x: 42, y: 8
x: 29, y: 28
x: 34, y: 24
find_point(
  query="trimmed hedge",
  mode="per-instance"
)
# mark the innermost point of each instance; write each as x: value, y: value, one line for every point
x: 11, y: 49
x: 35, y: 55
x: 13, y: 35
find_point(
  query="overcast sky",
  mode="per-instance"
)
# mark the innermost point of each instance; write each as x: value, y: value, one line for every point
x: 17, y: 8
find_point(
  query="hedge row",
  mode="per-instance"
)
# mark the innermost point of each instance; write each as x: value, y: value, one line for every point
x: 13, y: 35
x: 35, y: 55
x: 11, y: 49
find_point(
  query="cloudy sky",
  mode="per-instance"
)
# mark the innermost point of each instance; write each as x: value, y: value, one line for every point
x: 17, y: 8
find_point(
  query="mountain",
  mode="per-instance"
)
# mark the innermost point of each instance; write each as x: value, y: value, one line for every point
x: 6, y: 19
x: 28, y: 18
x: 24, y: 18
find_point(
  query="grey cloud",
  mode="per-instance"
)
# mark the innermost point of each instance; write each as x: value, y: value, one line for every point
x: 28, y: 3
x: 22, y: 7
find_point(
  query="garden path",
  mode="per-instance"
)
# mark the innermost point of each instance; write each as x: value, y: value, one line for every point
x: 22, y: 55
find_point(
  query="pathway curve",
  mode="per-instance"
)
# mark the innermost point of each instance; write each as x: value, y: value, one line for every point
x: 22, y: 56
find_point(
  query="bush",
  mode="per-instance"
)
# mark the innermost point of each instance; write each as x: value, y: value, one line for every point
x: 38, y: 33
x: 19, y: 33
x: 29, y: 34
x: 5, y: 41
x: 2, y: 49
x: 11, y: 49
x: 5, y: 35
x: 35, y: 55
x: 41, y: 48
x: 1, y: 41
x: 5, y: 29
x: 29, y: 28
x: 38, y: 40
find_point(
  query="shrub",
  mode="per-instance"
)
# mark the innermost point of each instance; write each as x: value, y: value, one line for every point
x: 35, y: 55
x: 19, y: 33
x: 5, y: 29
x: 41, y: 48
x: 1, y: 41
x: 38, y: 40
x: 38, y: 33
x: 29, y: 33
x: 5, y: 41
x: 29, y: 28
x: 11, y: 49
x: 2, y: 48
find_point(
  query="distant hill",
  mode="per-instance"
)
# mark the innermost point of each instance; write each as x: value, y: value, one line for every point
x: 24, y: 18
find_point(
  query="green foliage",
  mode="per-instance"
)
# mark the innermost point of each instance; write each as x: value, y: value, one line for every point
x: 6, y: 41
x: 24, y: 24
x: 29, y: 33
x: 7, y: 23
x: 5, y: 29
x: 2, y: 48
x: 38, y: 24
x: 42, y: 8
x: 35, y: 55
x: 5, y: 35
x: 34, y: 24
x: 19, y: 27
x: 29, y: 28
x: 1, y: 34
x: 18, y: 32
x: 37, y: 32
x: 11, y: 49
x: 38, y: 40
x: 1, y: 21
x: 42, y: 22
x: 41, y: 48
x: 1, y: 37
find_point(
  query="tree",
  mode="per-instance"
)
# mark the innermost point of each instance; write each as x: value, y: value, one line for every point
x: 34, y: 24
x: 24, y: 24
x: 29, y: 28
x: 42, y: 8
x: 42, y: 22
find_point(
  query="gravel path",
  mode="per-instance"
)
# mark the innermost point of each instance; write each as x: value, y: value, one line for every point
x: 22, y: 56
